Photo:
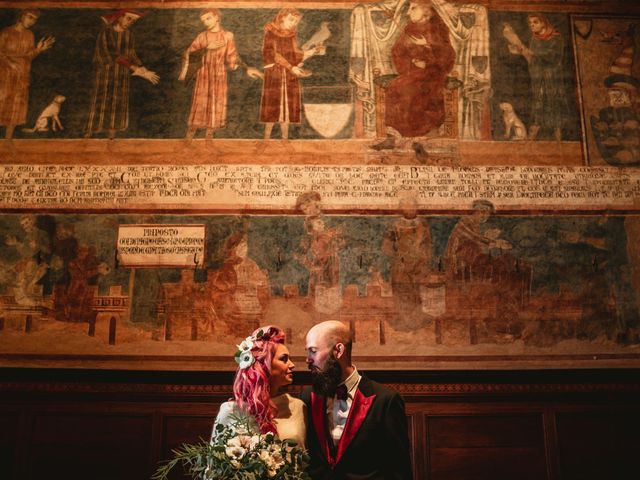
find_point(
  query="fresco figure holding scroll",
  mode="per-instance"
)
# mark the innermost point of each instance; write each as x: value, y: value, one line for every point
x: 545, y: 56
x: 17, y: 51
x: 115, y: 60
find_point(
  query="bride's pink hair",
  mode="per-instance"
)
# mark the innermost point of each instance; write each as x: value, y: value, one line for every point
x: 251, y: 385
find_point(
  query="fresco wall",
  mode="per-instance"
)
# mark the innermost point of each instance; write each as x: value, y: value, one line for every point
x: 456, y: 182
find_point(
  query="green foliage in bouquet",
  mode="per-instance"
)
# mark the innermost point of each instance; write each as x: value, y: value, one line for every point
x: 237, y: 452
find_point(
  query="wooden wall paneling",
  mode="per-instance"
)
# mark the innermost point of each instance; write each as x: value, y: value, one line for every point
x: 551, y: 443
x: 417, y: 437
x: 599, y: 444
x: 9, y: 431
x: 180, y: 429
x: 499, y: 446
x: 98, y: 445
x: 463, y: 426
x: 157, y: 436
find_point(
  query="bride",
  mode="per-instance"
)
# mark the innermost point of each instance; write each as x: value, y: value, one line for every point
x: 264, y: 369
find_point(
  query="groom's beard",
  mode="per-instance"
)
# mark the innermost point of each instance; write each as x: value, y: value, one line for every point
x: 326, y: 381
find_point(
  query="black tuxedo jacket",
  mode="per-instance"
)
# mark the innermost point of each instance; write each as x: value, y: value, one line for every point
x: 375, y: 441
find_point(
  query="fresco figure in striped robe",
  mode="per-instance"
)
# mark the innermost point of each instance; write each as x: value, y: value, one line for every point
x: 114, y: 61
x: 213, y: 51
x: 17, y: 50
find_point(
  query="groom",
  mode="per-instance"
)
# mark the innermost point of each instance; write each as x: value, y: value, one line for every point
x: 357, y: 428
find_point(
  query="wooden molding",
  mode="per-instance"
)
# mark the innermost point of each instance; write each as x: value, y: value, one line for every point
x: 406, y: 389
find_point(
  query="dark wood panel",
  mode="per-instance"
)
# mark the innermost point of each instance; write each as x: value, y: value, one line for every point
x: 467, y: 447
x: 184, y: 429
x: 489, y: 463
x: 485, y: 431
x: 94, y: 446
x: 597, y: 446
x: 463, y: 425
x: 8, y: 442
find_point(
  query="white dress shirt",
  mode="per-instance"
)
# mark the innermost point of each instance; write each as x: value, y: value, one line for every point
x: 338, y: 410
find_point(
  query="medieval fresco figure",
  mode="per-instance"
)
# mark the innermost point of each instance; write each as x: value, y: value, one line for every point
x: 422, y: 57
x: 319, y: 252
x: 33, y: 248
x: 545, y: 58
x: 310, y: 204
x: 375, y: 29
x: 408, y: 246
x: 238, y: 292
x: 17, y: 51
x: 283, y: 67
x: 467, y: 254
x: 468, y: 26
x: 75, y: 302
x: 217, y: 50
x: 320, y: 249
x: 64, y: 249
x: 114, y: 61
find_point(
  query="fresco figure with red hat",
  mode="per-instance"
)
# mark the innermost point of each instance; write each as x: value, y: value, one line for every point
x: 17, y: 50
x: 114, y: 61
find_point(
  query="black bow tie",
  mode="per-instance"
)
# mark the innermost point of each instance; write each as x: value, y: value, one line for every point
x: 341, y: 392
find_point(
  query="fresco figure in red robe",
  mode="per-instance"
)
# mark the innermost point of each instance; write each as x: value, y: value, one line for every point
x: 75, y: 302
x: 283, y: 67
x: 17, y: 50
x: 423, y: 57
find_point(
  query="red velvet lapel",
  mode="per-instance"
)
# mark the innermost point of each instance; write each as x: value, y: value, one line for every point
x: 357, y: 414
x: 318, y: 413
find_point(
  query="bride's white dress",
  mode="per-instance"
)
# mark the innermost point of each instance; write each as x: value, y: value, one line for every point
x: 290, y: 420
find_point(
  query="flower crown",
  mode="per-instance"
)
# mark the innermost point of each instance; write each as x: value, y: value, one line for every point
x: 243, y: 357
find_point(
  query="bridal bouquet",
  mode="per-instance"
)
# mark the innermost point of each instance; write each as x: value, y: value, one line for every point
x: 236, y: 453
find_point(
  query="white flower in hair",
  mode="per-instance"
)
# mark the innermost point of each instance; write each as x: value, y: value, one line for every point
x: 246, y: 344
x: 245, y: 359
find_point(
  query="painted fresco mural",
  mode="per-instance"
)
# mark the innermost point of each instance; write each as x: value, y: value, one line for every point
x: 178, y: 72
x: 403, y: 72
x: 607, y: 54
x: 444, y: 84
x: 412, y: 285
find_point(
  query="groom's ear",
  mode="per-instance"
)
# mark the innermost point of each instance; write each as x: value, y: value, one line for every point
x: 339, y: 350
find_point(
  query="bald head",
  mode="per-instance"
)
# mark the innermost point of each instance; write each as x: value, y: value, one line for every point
x: 326, y: 340
x: 333, y: 331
